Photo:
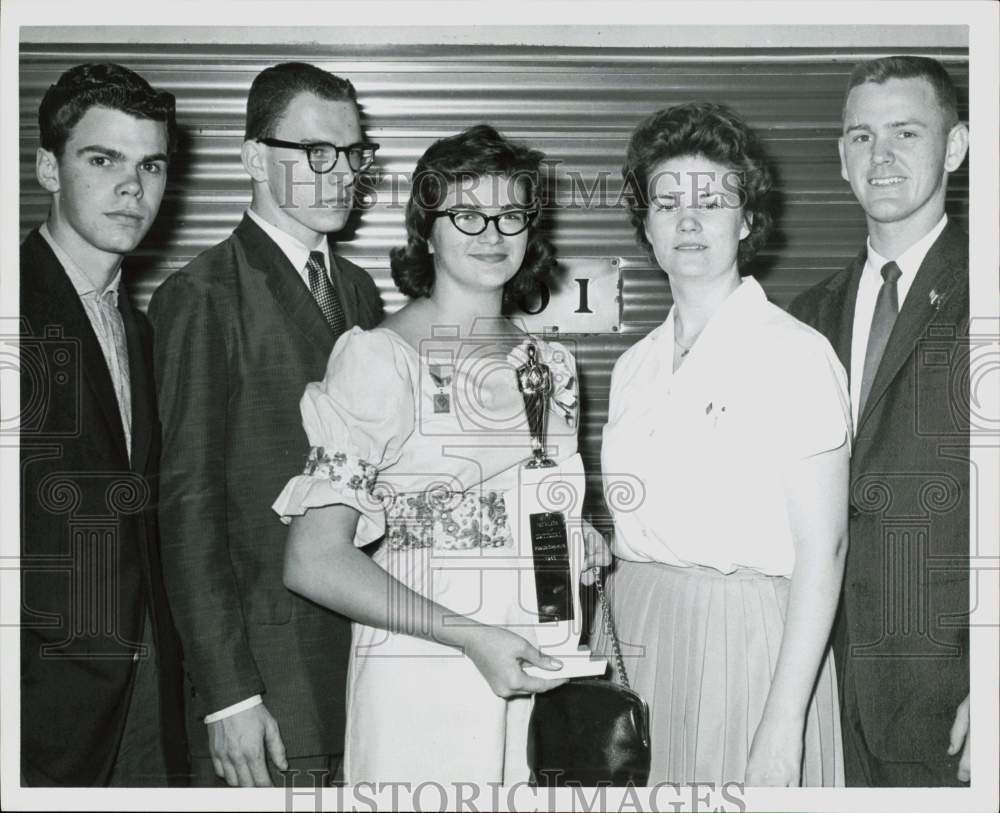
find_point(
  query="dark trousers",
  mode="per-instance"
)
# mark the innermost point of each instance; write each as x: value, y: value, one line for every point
x: 141, y: 761
x: 863, y: 769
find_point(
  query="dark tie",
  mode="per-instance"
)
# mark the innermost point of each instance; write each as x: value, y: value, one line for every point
x: 325, y: 294
x: 886, y: 310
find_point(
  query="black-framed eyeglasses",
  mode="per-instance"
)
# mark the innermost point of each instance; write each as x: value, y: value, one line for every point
x: 323, y: 157
x: 473, y: 222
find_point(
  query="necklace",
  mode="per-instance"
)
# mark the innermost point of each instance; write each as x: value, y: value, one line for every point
x: 685, y: 348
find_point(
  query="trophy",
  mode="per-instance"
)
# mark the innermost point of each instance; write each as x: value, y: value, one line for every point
x: 550, y: 497
x: 535, y: 383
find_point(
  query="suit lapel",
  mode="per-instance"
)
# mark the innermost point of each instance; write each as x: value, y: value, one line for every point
x: 942, y: 269
x: 143, y: 411
x: 833, y: 315
x: 843, y: 303
x: 69, y: 313
x: 286, y: 286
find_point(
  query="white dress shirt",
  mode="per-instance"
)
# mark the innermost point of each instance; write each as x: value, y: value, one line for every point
x: 106, y: 320
x: 297, y: 253
x: 864, y: 308
x: 694, y: 461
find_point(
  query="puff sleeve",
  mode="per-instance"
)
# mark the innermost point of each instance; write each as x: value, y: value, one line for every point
x: 357, y: 420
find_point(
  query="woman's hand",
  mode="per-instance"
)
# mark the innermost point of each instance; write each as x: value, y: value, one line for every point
x: 596, y: 554
x: 776, y: 754
x: 498, y: 655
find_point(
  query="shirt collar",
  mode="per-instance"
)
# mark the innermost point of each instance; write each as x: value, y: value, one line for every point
x: 910, y: 260
x: 81, y: 282
x: 296, y: 252
x: 742, y: 306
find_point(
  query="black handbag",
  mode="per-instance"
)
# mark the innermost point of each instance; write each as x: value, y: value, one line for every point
x: 590, y: 731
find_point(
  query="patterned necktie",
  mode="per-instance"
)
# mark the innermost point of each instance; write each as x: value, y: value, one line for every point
x: 884, y: 317
x: 325, y: 294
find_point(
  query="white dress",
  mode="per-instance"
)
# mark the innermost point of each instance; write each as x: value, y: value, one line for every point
x: 426, y: 446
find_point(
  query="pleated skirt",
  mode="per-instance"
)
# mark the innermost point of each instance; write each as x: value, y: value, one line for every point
x: 701, y: 647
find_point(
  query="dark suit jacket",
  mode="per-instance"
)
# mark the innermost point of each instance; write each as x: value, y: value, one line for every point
x: 901, y: 640
x: 238, y: 337
x: 90, y: 566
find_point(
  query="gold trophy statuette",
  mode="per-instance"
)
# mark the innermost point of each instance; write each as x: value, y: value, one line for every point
x: 534, y: 380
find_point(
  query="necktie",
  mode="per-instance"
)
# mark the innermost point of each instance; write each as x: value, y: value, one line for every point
x: 884, y: 317
x: 117, y: 358
x: 325, y: 294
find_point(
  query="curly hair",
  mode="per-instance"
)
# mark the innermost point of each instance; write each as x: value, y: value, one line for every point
x: 101, y: 85
x: 462, y: 160
x: 718, y: 134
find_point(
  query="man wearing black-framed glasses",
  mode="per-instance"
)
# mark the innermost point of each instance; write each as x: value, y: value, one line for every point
x: 323, y: 157
x: 240, y: 332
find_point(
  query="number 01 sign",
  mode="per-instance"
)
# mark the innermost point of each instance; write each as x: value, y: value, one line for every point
x: 585, y: 297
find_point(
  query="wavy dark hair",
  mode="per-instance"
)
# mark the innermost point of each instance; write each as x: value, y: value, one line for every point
x: 101, y: 84
x: 717, y: 133
x: 463, y: 160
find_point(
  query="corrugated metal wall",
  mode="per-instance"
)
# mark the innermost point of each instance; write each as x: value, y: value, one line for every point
x: 578, y: 105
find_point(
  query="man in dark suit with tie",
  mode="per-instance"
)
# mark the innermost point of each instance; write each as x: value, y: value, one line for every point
x: 240, y: 332
x: 898, y: 317
x: 100, y: 662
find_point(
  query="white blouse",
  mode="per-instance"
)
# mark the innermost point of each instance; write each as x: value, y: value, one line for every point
x: 693, y: 461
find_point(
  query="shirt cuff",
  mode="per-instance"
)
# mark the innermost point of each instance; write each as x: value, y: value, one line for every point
x: 229, y: 711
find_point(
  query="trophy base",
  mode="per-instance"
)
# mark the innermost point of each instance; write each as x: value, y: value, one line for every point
x: 549, y: 499
x: 581, y: 663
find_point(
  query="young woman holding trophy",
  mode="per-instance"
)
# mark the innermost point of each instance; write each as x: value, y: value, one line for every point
x: 420, y: 438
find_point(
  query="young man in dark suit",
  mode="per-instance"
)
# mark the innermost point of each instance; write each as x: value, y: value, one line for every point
x: 240, y: 332
x: 898, y: 317
x: 100, y: 665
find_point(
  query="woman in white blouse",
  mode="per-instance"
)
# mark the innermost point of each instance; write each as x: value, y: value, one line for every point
x: 725, y: 460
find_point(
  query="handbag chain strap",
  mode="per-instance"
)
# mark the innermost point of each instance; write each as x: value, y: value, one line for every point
x: 609, y: 629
